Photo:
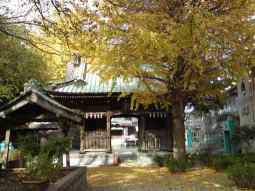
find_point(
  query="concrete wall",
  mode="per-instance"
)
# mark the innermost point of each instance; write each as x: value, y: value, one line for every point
x: 74, y: 181
x: 246, y: 102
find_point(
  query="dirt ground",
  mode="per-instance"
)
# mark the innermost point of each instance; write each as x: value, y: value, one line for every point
x: 11, y: 180
x: 153, y: 178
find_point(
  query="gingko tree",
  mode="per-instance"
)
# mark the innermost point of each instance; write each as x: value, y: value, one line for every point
x: 177, y: 51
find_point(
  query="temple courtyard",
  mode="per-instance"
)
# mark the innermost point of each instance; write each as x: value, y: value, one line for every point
x: 152, y: 178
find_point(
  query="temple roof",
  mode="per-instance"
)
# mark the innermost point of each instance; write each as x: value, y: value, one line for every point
x: 35, y: 104
x: 90, y: 83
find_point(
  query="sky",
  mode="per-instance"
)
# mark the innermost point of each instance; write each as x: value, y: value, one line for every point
x: 15, y: 6
x: 27, y: 10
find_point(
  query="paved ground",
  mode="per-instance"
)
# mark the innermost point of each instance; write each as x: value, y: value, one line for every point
x: 129, y: 155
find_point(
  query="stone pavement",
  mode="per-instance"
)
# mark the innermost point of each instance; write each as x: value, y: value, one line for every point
x: 129, y: 156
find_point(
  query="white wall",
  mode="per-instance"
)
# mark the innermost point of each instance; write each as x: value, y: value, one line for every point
x: 246, y: 103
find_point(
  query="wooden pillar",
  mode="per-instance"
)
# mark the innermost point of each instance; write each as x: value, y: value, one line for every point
x: 6, y: 148
x: 141, y: 127
x: 82, y: 137
x: 169, y: 123
x: 108, y: 129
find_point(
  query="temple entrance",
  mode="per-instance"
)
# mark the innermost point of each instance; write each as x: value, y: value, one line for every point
x: 124, y: 138
x: 124, y: 132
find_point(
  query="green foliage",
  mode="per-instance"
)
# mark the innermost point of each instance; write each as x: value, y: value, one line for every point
x: 248, y: 158
x: 56, y: 146
x: 192, y: 159
x: 19, y: 62
x: 204, y: 160
x: 243, y: 175
x: 42, y: 167
x: 222, y: 162
x: 218, y: 162
x: 41, y: 159
x: 175, y: 165
x: 28, y: 146
x: 161, y: 160
x: 245, y: 135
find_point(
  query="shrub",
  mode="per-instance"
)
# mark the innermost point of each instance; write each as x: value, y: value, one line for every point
x: 56, y: 146
x: 161, y: 160
x: 176, y: 165
x: 204, y: 160
x: 192, y: 159
x: 248, y: 157
x: 41, y: 159
x: 42, y: 168
x: 222, y: 162
x: 28, y: 145
x: 243, y: 175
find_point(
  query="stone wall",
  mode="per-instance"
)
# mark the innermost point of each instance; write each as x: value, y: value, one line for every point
x: 74, y: 181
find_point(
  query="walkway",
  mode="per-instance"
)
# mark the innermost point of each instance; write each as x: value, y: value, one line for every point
x: 128, y: 155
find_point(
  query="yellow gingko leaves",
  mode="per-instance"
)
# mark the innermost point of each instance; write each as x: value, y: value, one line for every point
x: 167, y: 45
x: 176, y: 51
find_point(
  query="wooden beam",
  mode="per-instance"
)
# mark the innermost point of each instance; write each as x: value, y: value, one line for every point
x: 6, y: 148
x: 13, y: 108
x: 109, y: 115
x: 94, y: 150
x: 57, y: 110
x: 42, y: 117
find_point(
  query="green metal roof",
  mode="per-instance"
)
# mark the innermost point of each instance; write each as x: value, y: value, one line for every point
x: 90, y: 83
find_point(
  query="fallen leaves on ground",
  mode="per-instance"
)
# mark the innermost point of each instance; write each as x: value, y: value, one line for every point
x: 148, y: 177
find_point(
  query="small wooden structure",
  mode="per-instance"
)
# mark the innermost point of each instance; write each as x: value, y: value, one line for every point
x: 33, y: 105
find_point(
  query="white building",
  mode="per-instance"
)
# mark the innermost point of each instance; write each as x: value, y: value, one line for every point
x: 246, y: 101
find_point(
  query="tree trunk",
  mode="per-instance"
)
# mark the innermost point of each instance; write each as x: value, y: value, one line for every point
x: 141, y: 132
x: 178, y: 126
x: 169, y: 123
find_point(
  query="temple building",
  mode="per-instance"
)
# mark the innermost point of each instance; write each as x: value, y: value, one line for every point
x: 99, y: 103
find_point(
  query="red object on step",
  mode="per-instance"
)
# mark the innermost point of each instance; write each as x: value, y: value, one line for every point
x: 115, y: 159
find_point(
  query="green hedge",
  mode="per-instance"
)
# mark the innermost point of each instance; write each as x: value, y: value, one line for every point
x: 243, y: 175
x: 175, y: 165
